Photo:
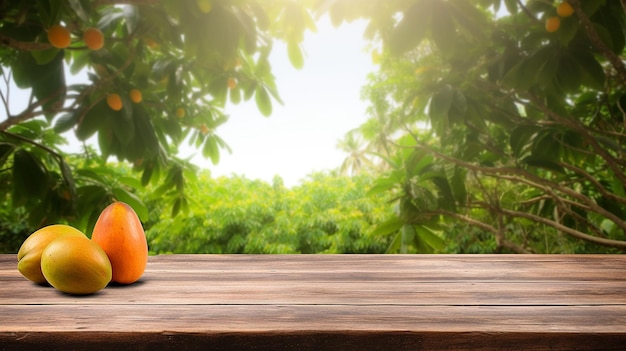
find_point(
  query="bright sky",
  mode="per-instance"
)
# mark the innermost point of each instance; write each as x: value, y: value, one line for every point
x: 321, y: 103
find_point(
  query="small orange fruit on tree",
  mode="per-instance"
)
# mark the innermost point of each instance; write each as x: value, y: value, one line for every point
x: 204, y: 129
x: 553, y: 24
x: 564, y: 9
x: 93, y: 38
x: 59, y: 36
x: 180, y: 112
x: 135, y: 96
x: 232, y: 83
x: 151, y: 43
x: 114, y: 101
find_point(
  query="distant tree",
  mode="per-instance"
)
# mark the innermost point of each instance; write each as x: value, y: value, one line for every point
x: 324, y: 214
x: 357, y: 161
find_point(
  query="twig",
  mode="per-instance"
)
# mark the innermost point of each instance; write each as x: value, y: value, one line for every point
x: 595, y: 182
x: 29, y: 112
x: 5, y: 99
x: 486, y: 227
x: 23, y: 45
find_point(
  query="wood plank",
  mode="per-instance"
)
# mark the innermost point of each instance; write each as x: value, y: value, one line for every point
x: 314, y: 318
x: 394, y: 267
x: 155, y: 292
x: 447, y: 327
x: 217, y: 279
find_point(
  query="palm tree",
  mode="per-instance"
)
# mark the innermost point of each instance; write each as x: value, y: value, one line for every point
x: 357, y: 160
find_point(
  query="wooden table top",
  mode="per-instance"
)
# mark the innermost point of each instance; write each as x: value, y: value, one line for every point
x: 335, y: 302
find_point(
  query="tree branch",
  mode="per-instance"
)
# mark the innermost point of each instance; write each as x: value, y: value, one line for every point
x: 573, y: 123
x: 570, y: 231
x: 597, y: 42
x: 500, y: 239
x: 23, y: 45
x: 594, y: 181
x: 518, y: 175
x: 30, y: 112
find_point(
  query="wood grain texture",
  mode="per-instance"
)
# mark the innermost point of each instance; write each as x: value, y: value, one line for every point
x: 345, y: 302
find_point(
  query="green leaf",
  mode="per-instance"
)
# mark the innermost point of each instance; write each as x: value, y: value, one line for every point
x: 235, y: 96
x: 90, y: 121
x: 106, y: 143
x: 65, y: 122
x: 43, y: 57
x: 457, y: 183
x: 132, y: 18
x: 6, y: 150
x: 211, y: 150
x: 440, y: 104
x: 570, y: 73
x: 390, y: 226
x: 81, y: 8
x: 593, y: 73
x: 395, y: 244
x: 123, y: 126
x: 511, y: 6
x: 548, y: 70
x: 263, y: 102
x: 407, y: 234
x: 146, y: 176
x: 568, y: 30
x: 418, y: 162
x: 176, y: 206
x: 543, y: 163
x: 604, y: 34
x: 30, y: 177
x: 470, y: 20
x: 131, y: 182
x: 295, y: 55
x: 145, y: 131
x: 68, y: 178
x: 617, y: 186
x: 92, y: 176
x: 383, y: 184
x: 521, y: 140
x: 337, y: 13
x: 445, y: 195
x: 429, y: 237
x: 524, y: 74
x: 412, y: 29
x: 47, y: 80
x: 443, y: 29
x: 50, y: 11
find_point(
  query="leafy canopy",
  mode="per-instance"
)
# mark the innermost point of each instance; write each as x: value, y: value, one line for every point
x: 511, y: 116
x: 186, y: 59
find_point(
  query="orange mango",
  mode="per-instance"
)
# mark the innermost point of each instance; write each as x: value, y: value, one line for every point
x: 120, y: 234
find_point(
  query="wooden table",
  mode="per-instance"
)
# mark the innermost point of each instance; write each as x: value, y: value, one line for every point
x: 338, y: 302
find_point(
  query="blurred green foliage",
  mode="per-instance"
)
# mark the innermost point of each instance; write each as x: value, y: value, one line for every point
x: 325, y: 214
